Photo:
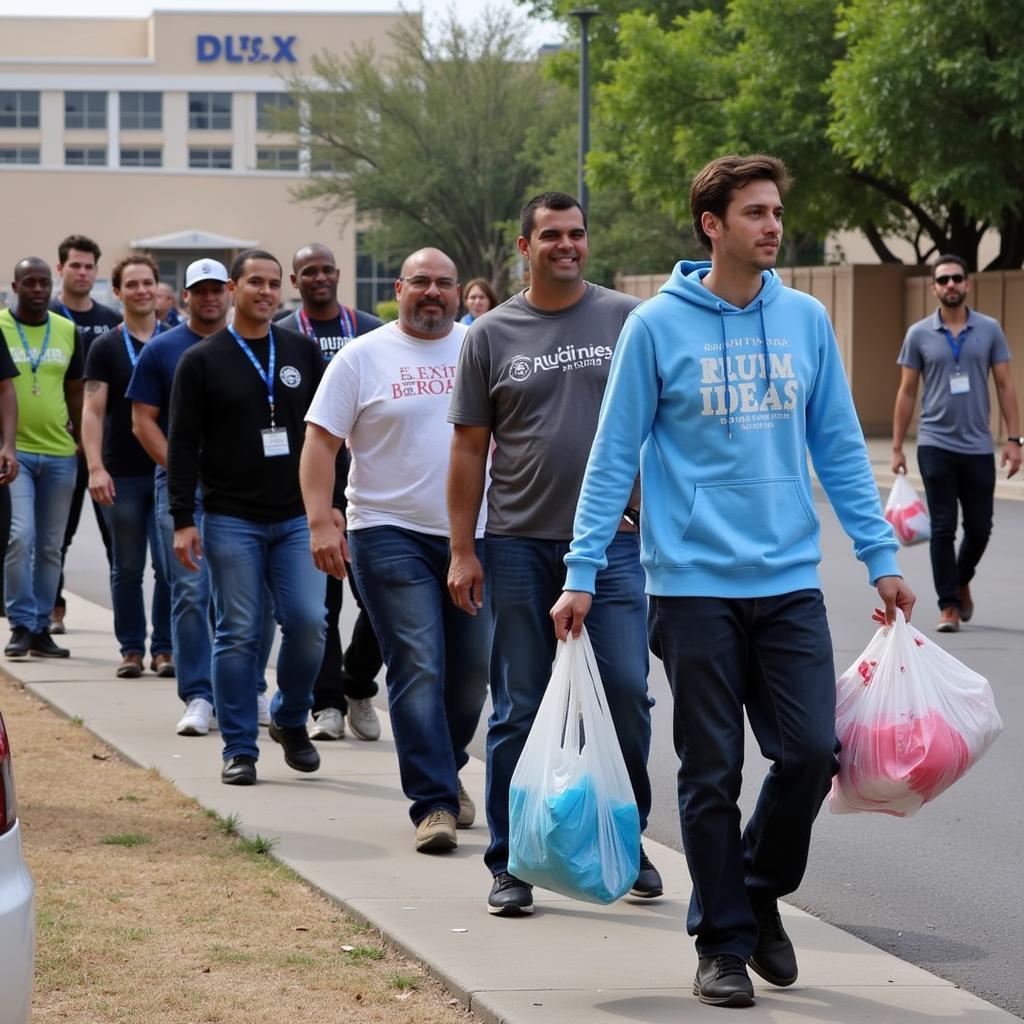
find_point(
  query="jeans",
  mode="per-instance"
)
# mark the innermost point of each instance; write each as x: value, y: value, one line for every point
x: 245, y: 559
x: 436, y: 659
x: 949, y: 478
x: 40, y: 497
x: 524, y: 579
x: 131, y: 522
x: 772, y: 656
x: 74, y: 515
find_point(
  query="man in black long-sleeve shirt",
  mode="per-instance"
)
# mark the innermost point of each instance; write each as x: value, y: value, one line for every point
x: 236, y: 426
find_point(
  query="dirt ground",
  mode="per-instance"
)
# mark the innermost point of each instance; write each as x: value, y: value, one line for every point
x: 151, y: 911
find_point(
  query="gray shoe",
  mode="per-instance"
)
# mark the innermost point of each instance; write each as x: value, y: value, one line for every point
x: 436, y: 832
x: 327, y: 725
x: 467, y: 809
x: 363, y: 720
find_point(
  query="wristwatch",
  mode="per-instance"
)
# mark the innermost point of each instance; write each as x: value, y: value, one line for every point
x: 1019, y: 441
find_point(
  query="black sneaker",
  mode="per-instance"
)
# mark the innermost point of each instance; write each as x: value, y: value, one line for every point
x: 239, y: 770
x: 18, y: 645
x: 299, y: 752
x: 774, y: 958
x: 723, y: 981
x: 509, y: 896
x: 42, y: 646
x: 648, y: 883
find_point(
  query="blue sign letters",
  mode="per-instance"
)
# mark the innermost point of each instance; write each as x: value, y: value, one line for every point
x: 242, y: 49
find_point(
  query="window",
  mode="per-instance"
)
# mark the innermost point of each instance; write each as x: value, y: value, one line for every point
x: 141, y: 157
x: 205, y: 158
x: 269, y: 108
x: 19, y: 109
x: 375, y: 280
x: 19, y: 155
x: 141, y: 110
x: 272, y: 158
x: 209, y: 111
x: 85, y: 156
x: 85, y: 110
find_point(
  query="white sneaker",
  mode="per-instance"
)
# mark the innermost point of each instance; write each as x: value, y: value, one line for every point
x: 327, y: 725
x: 196, y: 720
x: 363, y: 720
x: 263, y: 708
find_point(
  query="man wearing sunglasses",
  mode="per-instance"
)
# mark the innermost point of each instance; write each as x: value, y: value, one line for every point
x: 953, y: 351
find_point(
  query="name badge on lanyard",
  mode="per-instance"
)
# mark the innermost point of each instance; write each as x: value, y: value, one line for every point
x: 959, y: 383
x: 275, y: 438
x: 275, y: 441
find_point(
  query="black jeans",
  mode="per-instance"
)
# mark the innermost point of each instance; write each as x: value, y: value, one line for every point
x: 952, y: 478
x: 74, y: 515
x: 773, y: 657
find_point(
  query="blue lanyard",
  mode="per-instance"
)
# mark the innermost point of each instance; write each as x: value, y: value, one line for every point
x: 956, y: 344
x: 67, y: 312
x: 348, y: 328
x: 268, y: 377
x: 34, y: 364
x: 133, y: 356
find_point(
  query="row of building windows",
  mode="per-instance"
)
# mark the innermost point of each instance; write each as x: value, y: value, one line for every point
x: 141, y: 111
x: 268, y: 158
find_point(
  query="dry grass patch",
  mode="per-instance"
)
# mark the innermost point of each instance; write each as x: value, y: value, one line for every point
x: 152, y: 910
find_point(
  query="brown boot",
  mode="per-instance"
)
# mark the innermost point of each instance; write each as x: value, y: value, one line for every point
x: 163, y: 666
x: 966, y: 604
x: 131, y: 667
x: 949, y: 621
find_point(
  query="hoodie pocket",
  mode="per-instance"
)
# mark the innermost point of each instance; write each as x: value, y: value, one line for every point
x: 740, y: 525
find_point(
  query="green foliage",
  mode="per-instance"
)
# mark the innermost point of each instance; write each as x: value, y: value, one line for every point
x: 387, y: 310
x: 126, y: 839
x: 258, y: 845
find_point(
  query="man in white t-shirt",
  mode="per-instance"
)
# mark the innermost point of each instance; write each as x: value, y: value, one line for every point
x: 386, y: 393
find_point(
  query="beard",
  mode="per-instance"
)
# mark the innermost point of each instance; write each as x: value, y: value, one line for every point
x: 953, y: 302
x: 430, y: 320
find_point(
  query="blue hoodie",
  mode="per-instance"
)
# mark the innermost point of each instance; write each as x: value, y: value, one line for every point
x: 719, y: 406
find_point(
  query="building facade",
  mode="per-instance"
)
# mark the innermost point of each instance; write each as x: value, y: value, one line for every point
x: 157, y: 134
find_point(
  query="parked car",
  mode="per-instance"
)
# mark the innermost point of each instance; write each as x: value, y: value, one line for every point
x: 17, y: 899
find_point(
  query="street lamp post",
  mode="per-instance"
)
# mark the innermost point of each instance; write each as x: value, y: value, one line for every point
x: 584, y: 14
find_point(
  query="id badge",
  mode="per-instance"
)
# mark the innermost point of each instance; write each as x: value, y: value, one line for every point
x: 959, y: 384
x: 275, y: 441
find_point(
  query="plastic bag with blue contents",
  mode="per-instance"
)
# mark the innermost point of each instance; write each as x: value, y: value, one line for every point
x: 574, y: 827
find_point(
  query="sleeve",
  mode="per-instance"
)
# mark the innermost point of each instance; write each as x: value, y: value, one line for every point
x: 184, y: 435
x: 366, y: 322
x: 1000, y: 351
x: 335, y: 405
x: 840, y: 459
x: 97, y: 361
x: 910, y: 352
x: 76, y: 365
x: 470, y: 404
x: 7, y: 368
x: 145, y: 384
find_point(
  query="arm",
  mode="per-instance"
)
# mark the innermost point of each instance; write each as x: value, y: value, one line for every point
x: 146, y: 428
x: 73, y: 398
x: 184, y: 434
x: 467, y: 469
x: 8, y: 431
x: 1007, y: 396
x: 326, y: 523
x: 101, y: 486
x: 903, y: 413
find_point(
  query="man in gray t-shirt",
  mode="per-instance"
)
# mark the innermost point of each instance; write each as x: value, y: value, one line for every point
x: 953, y: 351
x: 531, y: 377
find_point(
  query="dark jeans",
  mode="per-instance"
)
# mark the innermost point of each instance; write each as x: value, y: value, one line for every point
x: 74, y: 515
x: 772, y: 656
x: 350, y: 674
x: 951, y: 478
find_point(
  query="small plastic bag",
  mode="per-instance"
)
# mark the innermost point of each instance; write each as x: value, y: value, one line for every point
x: 911, y: 719
x: 907, y: 513
x: 574, y: 827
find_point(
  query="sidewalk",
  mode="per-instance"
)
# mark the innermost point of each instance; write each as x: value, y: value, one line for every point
x: 346, y: 830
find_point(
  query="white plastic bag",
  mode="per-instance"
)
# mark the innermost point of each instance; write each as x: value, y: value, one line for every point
x: 907, y: 513
x: 574, y: 827
x: 911, y: 719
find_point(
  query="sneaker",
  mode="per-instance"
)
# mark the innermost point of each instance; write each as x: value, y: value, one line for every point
x: 723, y: 981
x: 510, y: 897
x: 363, y: 720
x: 648, y: 884
x: 18, y: 645
x: 163, y: 666
x: 131, y: 667
x: 774, y: 958
x: 57, y: 620
x: 436, y: 832
x: 239, y: 771
x: 42, y: 646
x: 966, y: 603
x: 467, y: 809
x: 196, y: 720
x: 328, y: 724
x: 299, y: 753
x: 949, y: 621
x: 263, y: 708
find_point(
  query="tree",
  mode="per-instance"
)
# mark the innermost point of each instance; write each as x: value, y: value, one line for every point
x: 428, y: 142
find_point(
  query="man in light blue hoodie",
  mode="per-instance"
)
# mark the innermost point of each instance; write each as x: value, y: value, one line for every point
x: 719, y: 386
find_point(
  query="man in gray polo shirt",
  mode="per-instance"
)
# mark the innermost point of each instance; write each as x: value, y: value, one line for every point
x: 531, y: 375
x: 953, y: 350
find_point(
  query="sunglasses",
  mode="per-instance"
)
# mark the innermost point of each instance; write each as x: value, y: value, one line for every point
x: 946, y: 278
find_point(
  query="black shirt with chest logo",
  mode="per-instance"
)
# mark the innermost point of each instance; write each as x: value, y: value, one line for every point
x: 91, y: 324
x: 218, y: 412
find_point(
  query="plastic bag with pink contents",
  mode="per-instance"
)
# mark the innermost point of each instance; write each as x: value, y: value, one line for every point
x: 907, y: 513
x: 911, y: 719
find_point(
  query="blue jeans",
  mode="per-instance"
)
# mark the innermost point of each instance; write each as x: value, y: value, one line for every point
x: 245, y: 559
x: 772, y: 656
x: 131, y: 521
x: 40, y: 499
x: 525, y: 577
x: 436, y: 658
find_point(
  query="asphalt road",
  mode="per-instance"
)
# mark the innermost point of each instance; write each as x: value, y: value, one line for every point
x: 944, y: 889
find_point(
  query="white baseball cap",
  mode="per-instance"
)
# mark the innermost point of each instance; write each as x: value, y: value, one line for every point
x: 205, y: 270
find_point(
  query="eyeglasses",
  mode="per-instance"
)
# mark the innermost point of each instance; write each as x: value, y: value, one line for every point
x: 421, y: 282
x: 946, y: 278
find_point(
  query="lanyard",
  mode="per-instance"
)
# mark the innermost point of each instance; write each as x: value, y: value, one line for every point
x: 133, y: 356
x: 34, y: 364
x: 268, y: 377
x: 957, y: 343
x: 67, y: 312
x: 348, y: 328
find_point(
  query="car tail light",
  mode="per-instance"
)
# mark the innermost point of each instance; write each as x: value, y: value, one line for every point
x: 8, y: 805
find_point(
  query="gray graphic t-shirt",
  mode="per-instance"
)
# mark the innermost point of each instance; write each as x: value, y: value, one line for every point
x: 536, y: 379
